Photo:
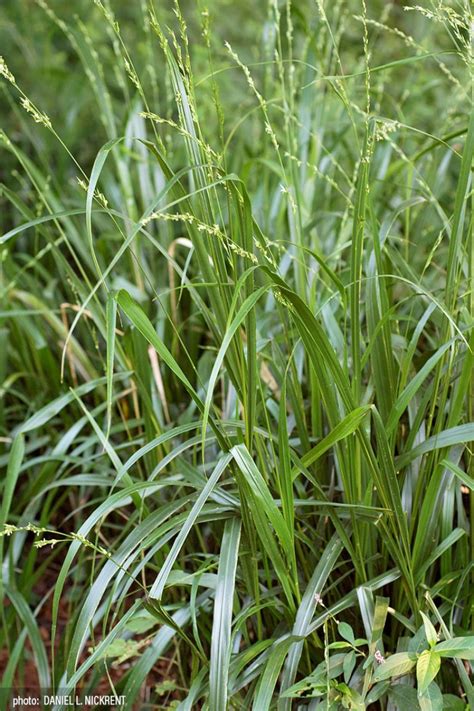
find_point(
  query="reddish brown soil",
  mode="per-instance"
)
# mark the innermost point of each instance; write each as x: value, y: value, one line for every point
x: 27, y: 676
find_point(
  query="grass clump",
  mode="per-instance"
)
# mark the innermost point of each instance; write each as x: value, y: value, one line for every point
x: 237, y: 395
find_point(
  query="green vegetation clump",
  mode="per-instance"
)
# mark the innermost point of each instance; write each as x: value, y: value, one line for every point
x: 237, y: 349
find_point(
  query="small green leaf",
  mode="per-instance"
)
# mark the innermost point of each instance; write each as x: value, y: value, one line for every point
x: 122, y: 649
x: 165, y: 687
x: 456, y: 648
x: 338, y: 645
x: 431, y: 634
x: 418, y: 643
x: 316, y: 682
x: 396, y: 665
x: 432, y: 699
x: 453, y: 703
x: 427, y: 668
x: 348, y: 665
x: 377, y: 692
x: 346, y: 632
x: 142, y: 622
x: 351, y: 698
x: 404, y: 697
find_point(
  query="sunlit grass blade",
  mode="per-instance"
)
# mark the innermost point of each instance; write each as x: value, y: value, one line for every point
x: 222, y: 618
x: 157, y: 588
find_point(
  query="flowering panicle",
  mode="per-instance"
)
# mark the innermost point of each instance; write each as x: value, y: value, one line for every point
x: 9, y: 529
x: 132, y: 75
x: 384, y: 129
x: 47, y: 542
x: 97, y: 194
x: 211, y: 230
x: 38, y: 116
x: 5, y: 72
x: 282, y: 299
x: 108, y: 14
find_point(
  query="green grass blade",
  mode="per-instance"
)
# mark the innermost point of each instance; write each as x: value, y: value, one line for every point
x: 222, y: 618
x: 158, y: 586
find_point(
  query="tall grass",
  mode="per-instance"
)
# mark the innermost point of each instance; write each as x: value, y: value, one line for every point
x: 237, y: 394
